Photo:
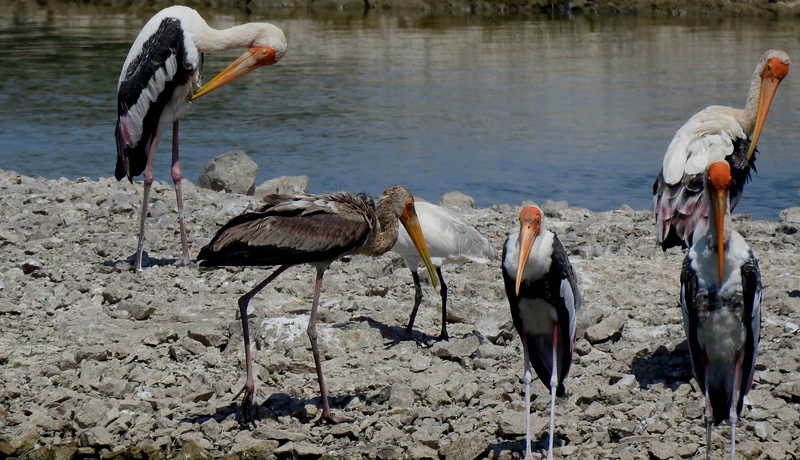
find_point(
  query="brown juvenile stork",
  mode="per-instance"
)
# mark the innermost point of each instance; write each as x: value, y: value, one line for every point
x: 315, y: 230
x: 713, y: 134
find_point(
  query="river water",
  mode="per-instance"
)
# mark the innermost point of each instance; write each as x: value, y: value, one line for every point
x: 501, y: 109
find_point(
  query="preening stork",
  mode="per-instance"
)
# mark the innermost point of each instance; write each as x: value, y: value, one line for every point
x: 450, y: 240
x: 315, y: 230
x: 160, y: 77
x: 543, y: 292
x: 721, y: 305
x: 713, y: 134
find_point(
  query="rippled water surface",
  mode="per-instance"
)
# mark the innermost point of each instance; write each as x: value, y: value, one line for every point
x: 503, y: 110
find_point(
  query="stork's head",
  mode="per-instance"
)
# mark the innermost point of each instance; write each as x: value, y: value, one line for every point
x: 772, y: 69
x: 267, y: 47
x: 530, y: 225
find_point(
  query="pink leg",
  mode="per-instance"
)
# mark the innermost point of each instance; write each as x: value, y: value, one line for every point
x: 709, y: 414
x: 553, y: 386
x: 312, y: 335
x: 176, y: 179
x: 148, y: 182
x: 249, y: 386
x: 732, y: 415
x: 526, y: 382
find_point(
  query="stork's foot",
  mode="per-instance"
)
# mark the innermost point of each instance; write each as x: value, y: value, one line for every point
x: 334, y: 420
x: 247, y: 404
x: 405, y: 338
x: 190, y: 264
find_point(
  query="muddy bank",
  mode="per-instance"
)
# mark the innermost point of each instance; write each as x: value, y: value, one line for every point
x: 97, y: 361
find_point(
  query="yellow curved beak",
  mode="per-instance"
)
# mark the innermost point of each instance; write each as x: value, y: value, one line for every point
x: 251, y: 59
x: 410, y: 221
x: 527, y: 235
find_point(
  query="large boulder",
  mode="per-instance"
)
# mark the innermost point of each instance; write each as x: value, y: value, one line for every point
x: 456, y: 200
x: 233, y: 172
x: 286, y: 185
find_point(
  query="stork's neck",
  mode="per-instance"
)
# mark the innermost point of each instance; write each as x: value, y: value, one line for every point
x: 747, y: 118
x: 241, y: 36
x: 384, y: 238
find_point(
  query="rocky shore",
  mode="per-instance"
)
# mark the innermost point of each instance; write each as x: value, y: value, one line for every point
x: 99, y: 362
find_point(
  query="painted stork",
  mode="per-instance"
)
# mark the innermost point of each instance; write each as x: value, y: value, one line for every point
x: 715, y: 133
x: 315, y: 230
x: 159, y: 78
x: 450, y: 240
x: 543, y: 292
x: 721, y: 305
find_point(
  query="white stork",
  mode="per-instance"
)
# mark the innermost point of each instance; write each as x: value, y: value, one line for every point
x: 721, y: 305
x: 159, y: 78
x: 713, y: 134
x: 450, y: 241
x: 543, y: 292
x: 314, y: 230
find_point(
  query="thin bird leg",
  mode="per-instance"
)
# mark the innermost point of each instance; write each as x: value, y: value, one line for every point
x: 553, y: 386
x: 417, y: 301
x: 312, y: 335
x: 732, y: 415
x: 176, y: 179
x: 148, y: 182
x: 709, y: 417
x: 526, y: 383
x: 409, y: 334
x: 443, y: 335
x: 249, y: 385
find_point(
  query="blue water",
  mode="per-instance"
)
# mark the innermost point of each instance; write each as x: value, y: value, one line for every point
x: 503, y: 110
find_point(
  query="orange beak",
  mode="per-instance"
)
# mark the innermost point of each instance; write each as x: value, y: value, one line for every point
x: 410, y: 221
x: 773, y: 73
x: 527, y: 235
x: 252, y: 59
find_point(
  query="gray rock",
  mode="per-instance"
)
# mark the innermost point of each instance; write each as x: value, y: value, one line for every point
x: 96, y: 436
x: 607, y: 329
x: 456, y: 200
x: 233, y: 172
x: 209, y: 337
x: 137, y: 310
x: 114, y: 293
x: 160, y: 336
x: 466, y: 447
x: 289, y: 185
x: 462, y: 347
x: 401, y: 396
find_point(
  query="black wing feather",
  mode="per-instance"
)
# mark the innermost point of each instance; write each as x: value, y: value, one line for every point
x: 166, y: 42
x: 751, y: 287
x: 689, y: 291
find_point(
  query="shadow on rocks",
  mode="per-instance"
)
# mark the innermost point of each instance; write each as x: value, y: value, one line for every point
x: 664, y: 366
x: 276, y: 405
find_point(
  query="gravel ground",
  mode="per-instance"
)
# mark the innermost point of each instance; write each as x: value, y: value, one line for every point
x: 96, y: 361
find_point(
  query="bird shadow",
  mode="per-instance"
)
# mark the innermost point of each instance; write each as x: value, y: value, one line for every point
x: 275, y: 406
x: 495, y: 450
x: 397, y: 334
x: 672, y: 368
x: 147, y: 262
x: 794, y: 294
